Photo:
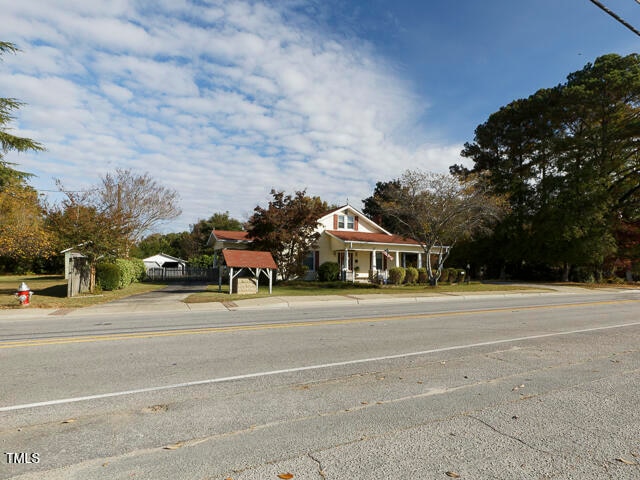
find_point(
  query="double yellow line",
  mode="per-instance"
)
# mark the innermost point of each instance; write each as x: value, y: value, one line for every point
x: 270, y: 326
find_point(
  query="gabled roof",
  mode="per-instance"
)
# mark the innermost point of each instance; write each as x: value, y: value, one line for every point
x: 231, y: 235
x: 163, y: 256
x: 356, y: 211
x: 334, y: 211
x: 366, y: 237
x: 248, y: 258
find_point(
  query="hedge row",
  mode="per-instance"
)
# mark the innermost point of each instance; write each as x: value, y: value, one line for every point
x: 119, y: 274
x: 411, y: 275
x: 453, y: 275
x: 330, y: 271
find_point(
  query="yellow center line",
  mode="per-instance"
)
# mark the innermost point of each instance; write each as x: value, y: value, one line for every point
x: 270, y: 326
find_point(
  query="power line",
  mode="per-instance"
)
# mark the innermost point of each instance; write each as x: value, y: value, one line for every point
x: 616, y: 16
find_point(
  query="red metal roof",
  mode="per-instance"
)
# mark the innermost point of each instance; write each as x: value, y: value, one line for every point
x: 231, y: 235
x: 350, y: 236
x: 248, y: 258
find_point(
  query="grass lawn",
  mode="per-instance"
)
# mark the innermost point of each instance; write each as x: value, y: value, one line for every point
x: 337, y: 288
x: 50, y: 291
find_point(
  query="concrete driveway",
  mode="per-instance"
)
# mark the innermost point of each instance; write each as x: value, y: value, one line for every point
x: 169, y: 298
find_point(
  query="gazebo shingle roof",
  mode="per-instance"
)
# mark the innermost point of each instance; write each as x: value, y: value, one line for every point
x: 248, y: 258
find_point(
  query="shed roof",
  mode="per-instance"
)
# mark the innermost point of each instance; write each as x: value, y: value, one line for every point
x: 248, y: 258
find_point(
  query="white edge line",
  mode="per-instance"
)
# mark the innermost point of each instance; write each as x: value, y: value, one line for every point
x: 302, y: 369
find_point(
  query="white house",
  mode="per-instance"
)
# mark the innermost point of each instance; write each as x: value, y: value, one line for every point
x: 363, y: 249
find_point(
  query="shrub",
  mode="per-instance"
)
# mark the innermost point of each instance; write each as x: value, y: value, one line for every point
x: 422, y: 275
x: 127, y: 272
x: 396, y: 275
x: 108, y: 276
x: 201, y: 261
x: 411, y: 275
x: 449, y: 275
x: 328, y: 272
x: 444, y: 275
x: 140, y: 269
x: 584, y: 275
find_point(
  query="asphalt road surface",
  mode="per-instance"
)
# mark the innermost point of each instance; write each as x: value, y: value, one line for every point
x: 542, y: 386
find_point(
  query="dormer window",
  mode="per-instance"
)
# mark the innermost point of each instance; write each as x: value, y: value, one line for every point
x: 346, y: 221
x: 342, y: 221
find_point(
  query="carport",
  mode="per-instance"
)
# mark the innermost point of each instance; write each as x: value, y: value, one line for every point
x: 254, y: 261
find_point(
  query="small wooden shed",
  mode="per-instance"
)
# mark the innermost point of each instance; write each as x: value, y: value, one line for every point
x: 254, y: 261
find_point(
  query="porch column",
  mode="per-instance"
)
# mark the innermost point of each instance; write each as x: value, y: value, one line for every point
x: 346, y: 263
x: 397, y: 258
x: 419, y: 260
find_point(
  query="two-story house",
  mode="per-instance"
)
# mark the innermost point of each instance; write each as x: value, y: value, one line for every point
x: 363, y: 249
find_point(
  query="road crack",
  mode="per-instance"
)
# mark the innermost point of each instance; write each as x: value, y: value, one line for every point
x: 320, y: 468
x: 512, y: 437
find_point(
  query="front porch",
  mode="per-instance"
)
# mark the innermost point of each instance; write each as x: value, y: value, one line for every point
x: 364, y: 258
x: 374, y: 265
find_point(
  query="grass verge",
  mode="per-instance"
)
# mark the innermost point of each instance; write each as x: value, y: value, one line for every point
x: 50, y: 291
x: 345, y: 288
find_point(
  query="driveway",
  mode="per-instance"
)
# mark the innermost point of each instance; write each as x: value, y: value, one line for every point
x: 169, y: 298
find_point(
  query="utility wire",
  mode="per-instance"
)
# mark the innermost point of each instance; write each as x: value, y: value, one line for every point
x: 617, y: 17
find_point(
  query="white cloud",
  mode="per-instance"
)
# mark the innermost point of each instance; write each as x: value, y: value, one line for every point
x: 116, y: 92
x: 220, y: 102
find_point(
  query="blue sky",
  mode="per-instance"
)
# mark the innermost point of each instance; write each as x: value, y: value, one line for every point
x: 224, y: 100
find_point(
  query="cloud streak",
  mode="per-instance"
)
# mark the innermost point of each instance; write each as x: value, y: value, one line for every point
x: 221, y: 101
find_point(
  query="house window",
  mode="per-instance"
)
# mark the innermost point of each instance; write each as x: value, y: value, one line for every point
x: 346, y: 221
x: 309, y: 261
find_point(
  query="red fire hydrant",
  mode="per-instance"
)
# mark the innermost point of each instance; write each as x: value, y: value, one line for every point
x: 24, y: 294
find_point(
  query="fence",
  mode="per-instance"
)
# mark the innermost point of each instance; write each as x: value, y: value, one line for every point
x: 186, y: 274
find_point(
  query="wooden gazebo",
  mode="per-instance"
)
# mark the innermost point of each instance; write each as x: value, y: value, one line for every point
x: 256, y: 262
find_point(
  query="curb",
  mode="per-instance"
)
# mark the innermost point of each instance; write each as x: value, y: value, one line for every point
x: 268, y: 303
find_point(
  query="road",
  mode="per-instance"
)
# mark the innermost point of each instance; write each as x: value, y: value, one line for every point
x: 541, y: 386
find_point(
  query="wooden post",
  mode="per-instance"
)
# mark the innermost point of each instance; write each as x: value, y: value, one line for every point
x: 258, y: 280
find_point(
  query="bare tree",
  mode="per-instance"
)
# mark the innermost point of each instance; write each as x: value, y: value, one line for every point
x: 437, y: 210
x: 109, y: 218
x: 135, y: 203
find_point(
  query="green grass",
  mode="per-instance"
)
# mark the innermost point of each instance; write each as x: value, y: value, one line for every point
x: 346, y: 288
x: 50, y: 291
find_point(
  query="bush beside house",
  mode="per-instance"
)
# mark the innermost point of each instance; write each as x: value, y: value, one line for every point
x: 422, y: 275
x: 328, y: 272
x: 119, y: 274
x: 411, y: 275
x: 396, y: 275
